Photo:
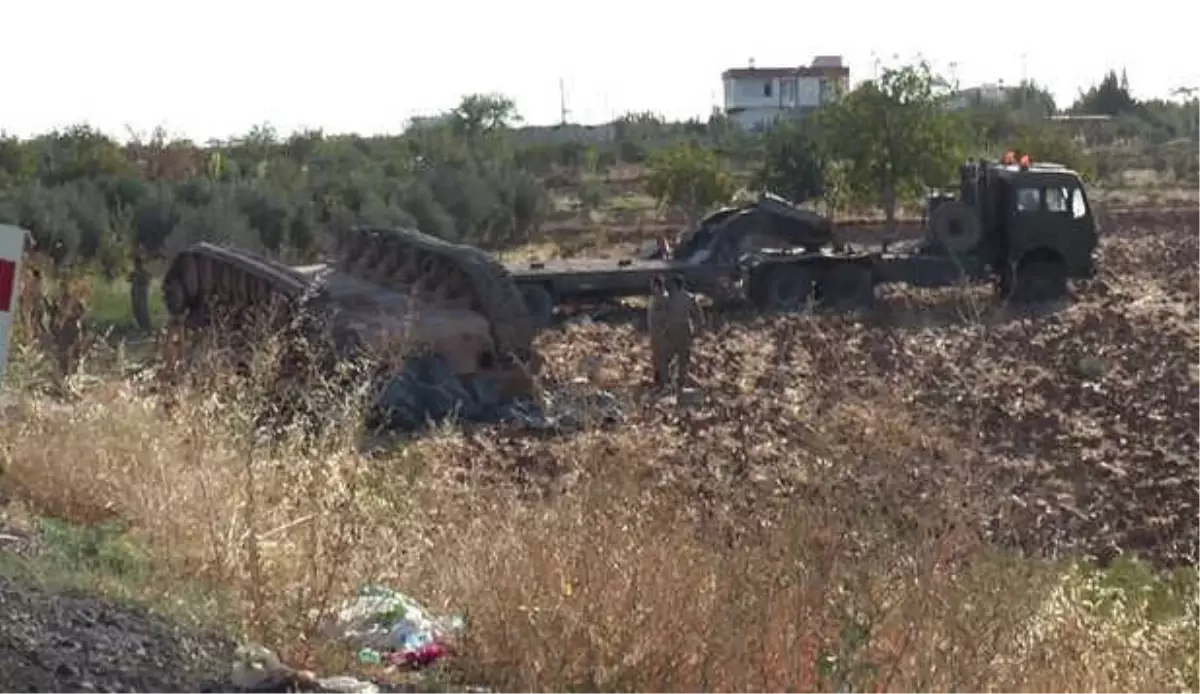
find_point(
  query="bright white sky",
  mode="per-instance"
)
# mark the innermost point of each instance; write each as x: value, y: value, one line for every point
x: 214, y: 68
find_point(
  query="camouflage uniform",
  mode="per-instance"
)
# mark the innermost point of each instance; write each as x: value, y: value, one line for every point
x: 682, y: 316
x: 656, y: 319
x: 67, y: 320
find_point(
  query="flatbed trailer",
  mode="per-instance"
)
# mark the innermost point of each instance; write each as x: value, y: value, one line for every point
x: 707, y: 258
x: 584, y: 280
x: 773, y: 279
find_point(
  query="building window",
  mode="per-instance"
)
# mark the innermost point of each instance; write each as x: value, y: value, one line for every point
x: 767, y: 89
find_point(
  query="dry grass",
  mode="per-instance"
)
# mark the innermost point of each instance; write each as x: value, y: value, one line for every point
x: 610, y: 585
x: 829, y: 537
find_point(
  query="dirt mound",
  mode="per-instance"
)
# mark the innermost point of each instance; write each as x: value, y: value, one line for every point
x: 63, y: 642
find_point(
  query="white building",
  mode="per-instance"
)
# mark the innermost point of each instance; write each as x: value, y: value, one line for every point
x: 755, y: 96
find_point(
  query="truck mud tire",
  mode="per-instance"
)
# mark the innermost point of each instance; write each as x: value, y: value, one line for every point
x: 1037, y: 279
x: 540, y: 302
x: 787, y: 287
x: 848, y: 286
x: 955, y: 227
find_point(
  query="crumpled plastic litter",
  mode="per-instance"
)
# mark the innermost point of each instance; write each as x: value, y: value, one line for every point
x: 380, y: 620
x: 420, y: 657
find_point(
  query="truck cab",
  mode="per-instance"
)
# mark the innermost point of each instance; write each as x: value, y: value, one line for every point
x: 1036, y: 223
x: 1048, y: 214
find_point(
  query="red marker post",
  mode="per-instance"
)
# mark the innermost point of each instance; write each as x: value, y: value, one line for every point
x: 12, y: 249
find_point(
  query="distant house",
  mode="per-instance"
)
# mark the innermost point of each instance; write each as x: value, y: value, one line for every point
x: 755, y: 96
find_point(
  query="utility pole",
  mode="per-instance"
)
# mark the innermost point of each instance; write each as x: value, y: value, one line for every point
x: 562, y: 101
x: 1024, y: 83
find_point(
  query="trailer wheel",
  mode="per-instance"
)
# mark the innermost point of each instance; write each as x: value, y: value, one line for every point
x: 848, y: 286
x: 540, y: 303
x: 788, y: 287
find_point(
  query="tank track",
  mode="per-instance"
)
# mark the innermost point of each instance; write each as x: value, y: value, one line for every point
x: 206, y: 279
x: 441, y: 273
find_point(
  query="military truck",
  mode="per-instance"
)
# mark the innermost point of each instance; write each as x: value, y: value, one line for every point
x: 1028, y: 226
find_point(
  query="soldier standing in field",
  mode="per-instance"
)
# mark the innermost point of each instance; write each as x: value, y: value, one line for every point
x: 682, y: 317
x: 656, y: 323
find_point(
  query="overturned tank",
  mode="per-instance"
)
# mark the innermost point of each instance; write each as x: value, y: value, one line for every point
x: 769, y: 222
x: 448, y: 318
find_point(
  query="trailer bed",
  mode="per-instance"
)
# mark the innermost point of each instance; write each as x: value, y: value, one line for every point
x: 609, y: 277
x: 545, y: 269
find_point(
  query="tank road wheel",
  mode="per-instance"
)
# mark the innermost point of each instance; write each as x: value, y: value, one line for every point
x: 848, y: 286
x: 787, y: 287
x: 540, y: 301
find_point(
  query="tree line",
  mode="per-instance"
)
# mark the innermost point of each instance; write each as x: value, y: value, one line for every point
x: 471, y: 176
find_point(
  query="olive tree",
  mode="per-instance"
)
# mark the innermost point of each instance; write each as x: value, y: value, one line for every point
x: 793, y: 162
x: 894, y: 135
x: 689, y: 179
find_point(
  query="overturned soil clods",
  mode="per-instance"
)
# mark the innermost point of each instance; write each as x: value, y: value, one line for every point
x: 1077, y: 423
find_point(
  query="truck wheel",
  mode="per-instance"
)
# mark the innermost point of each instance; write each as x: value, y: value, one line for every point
x: 848, y: 286
x: 540, y: 302
x: 788, y: 287
x: 1038, y: 279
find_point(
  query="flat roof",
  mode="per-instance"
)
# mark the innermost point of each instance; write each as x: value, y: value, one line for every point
x: 801, y: 71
